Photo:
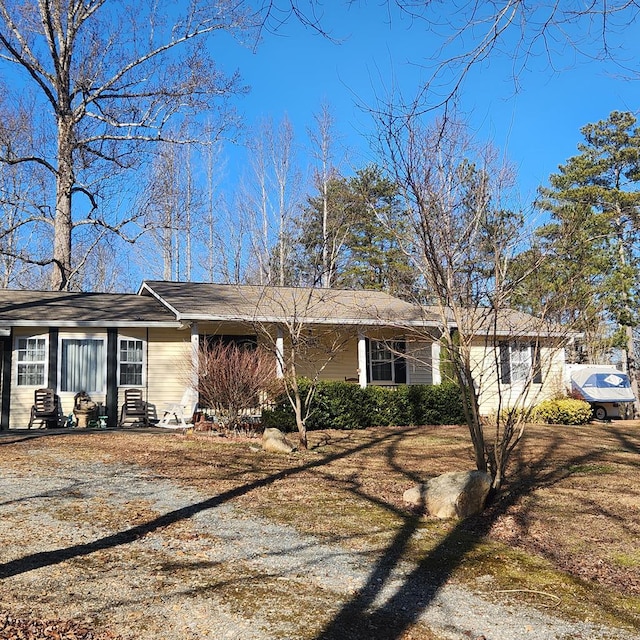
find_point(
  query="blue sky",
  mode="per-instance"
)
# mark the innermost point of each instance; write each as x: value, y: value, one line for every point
x: 538, y: 127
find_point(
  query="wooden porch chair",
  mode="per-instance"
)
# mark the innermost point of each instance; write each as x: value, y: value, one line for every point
x: 134, y: 409
x: 46, y: 409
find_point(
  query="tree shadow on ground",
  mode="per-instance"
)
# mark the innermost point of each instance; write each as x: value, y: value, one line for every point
x: 370, y: 614
x: 363, y: 617
x: 57, y: 556
x: 631, y: 445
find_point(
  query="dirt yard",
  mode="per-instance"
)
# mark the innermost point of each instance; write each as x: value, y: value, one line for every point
x: 122, y: 519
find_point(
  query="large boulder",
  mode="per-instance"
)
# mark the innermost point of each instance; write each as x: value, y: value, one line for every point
x: 274, y: 441
x: 457, y: 494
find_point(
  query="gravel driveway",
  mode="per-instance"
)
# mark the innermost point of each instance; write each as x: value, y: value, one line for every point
x: 113, y: 546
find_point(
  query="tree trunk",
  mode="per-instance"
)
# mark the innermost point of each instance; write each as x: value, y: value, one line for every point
x: 632, y: 370
x: 63, y: 223
x: 302, y: 433
x: 297, y: 403
x: 326, y: 275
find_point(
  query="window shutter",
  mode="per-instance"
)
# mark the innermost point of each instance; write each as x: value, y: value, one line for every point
x: 52, y: 374
x: 505, y: 363
x: 400, y: 363
x: 536, y: 362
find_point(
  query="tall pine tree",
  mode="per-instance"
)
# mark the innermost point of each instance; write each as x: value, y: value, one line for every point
x: 592, y: 238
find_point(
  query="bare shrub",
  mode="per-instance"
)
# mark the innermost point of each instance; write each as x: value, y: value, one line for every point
x: 233, y: 379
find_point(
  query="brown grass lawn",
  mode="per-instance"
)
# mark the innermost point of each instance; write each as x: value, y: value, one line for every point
x: 564, y: 532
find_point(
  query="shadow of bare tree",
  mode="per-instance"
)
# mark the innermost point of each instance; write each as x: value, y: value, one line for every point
x: 56, y: 556
x: 384, y: 608
x: 361, y: 619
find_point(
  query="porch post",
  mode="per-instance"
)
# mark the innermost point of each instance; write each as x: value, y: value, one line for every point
x: 280, y: 354
x: 111, y: 398
x: 52, y: 374
x: 5, y: 375
x: 436, y: 378
x: 195, y: 348
x: 362, y: 360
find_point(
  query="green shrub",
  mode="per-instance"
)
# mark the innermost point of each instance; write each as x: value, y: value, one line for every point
x: 339, y: 405
x: 563, y: 411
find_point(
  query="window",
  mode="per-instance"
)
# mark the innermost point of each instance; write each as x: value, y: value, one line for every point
x: 32, y: 361
x: 385, y: 362
x: 519, y: 361
x: 130, y: 363
x: 82, y: 365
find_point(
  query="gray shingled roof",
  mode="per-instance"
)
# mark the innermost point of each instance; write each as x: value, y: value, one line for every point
x: 59, y: 309
x: 162, y: 303
x: 510, y: 322
x: 214, y: 302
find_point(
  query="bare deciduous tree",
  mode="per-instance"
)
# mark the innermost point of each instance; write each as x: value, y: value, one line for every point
x: 107, y: 78
x: 520, y: 32
x: 269, y: 196
x: 323, y: 141
x: 462, y: 240
x: 301, y: 347
x: 172, y: 211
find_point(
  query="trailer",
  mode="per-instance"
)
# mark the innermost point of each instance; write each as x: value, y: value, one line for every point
x: 604, y: 387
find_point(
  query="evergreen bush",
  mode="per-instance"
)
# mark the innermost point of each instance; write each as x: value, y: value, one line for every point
x: 340, y: 405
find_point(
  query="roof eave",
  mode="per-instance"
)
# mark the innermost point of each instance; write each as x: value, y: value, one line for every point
x: 281, y: 320
x: 93, y: 323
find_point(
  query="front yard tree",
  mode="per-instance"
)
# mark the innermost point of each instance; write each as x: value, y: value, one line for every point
x: 104, y: 79
x: 301, y: 349
x: 462, y: 240
x: 529, y: 35
x: 594, y: 202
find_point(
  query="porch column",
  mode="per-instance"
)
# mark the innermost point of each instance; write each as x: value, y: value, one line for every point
x: 280, y: 354
x: 52, y: 374
x: 111, y: 397
x: 6, y: 351
x: 436, y: 378
x: 195, y: 349
x: 362, y: 360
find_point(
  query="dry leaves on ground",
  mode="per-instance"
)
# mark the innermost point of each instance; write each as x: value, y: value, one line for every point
x: 32, y: 629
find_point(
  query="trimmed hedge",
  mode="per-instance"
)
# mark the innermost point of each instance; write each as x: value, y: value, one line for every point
x: 563, y: 411
x: 340, y: 405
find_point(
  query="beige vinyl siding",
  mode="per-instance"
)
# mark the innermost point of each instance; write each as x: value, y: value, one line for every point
x: 494, y: 395
x: 419, y: 363
x: 342, y: 365
x: 168, y: 366
x: 331, y: 354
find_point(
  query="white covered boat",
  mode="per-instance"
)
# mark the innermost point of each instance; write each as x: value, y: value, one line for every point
x: 604, y: 387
